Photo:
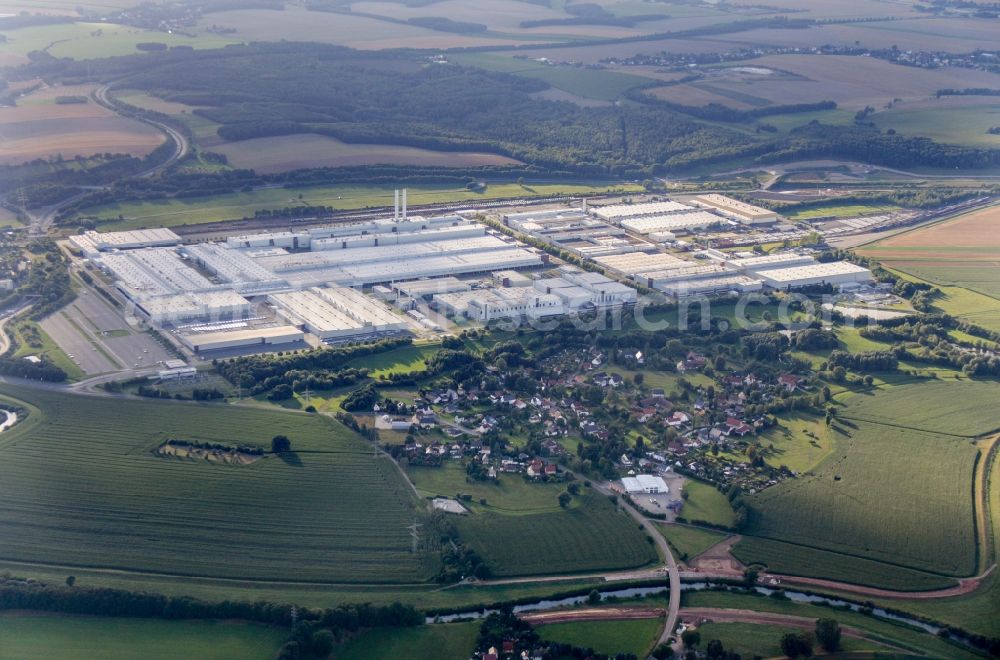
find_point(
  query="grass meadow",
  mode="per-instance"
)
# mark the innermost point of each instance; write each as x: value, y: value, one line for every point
x: 704, y: 503
x: 197, y: 210
x: 758, y: 640
x: 80, y: 487
x: 28, y: 636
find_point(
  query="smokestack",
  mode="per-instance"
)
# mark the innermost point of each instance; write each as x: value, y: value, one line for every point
x: 395, y: 208
x: 404, y: 204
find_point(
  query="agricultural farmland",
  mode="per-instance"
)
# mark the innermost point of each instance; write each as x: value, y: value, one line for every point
x: 80, y: 486
x: 25, y: 635
x: 961, y: 252
x: 284, y: 153
x: 574, y: 540
x: 39, y: 127
x: 852, y: 82
x: 550, y: 539
x: 886, y: 477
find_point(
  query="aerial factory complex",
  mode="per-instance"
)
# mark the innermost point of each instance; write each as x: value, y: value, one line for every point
x: 404, y: 275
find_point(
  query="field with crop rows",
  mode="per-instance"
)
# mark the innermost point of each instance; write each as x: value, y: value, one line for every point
x: 873, y: 497
x: 790, y: 559
x: 29, y: 636
x: 80, y: 486
x: 38, y: 127
x: 961, y: 252
x: 589, y: 536
x: 756, y: 640
x: 964, y: 408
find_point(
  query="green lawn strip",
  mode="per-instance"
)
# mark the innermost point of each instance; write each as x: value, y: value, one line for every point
x: 49, y: 349
x: 29, y: 636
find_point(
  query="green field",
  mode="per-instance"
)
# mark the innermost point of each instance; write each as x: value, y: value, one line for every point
x: 451, y: 640
x: 756, y: 640
x: 589, y: 536
x: 963, y: 408
x: 838, y: 211
x: 398, y: 360
x: 549, y: 539
x: 609, y: 637
x: 197, y: 210
x: 913, y: 640
x: 49, y: 349
x: 92, y: 40
x: 705, y: 503
x: 872, y: 497
x: 39, y: 637
x: 788, y: 559
x: 690, y: 542
x: 950, y: 123
x: 79, y: 486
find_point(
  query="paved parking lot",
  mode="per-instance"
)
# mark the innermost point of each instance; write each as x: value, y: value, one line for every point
x: 98, y: 338
x: 660, y: 503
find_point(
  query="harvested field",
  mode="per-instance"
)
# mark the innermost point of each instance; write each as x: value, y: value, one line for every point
x: 297, y: 24
x: 963, y: 252
x: 291, y: 152
x: 38, y: 127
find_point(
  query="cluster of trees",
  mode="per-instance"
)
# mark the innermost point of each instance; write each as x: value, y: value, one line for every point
x: 505, y: 626
x: 43, y: 370
x: 864, y: 362
x: 250, y: 370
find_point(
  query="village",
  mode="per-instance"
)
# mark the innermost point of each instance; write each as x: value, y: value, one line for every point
x: 576, y: 411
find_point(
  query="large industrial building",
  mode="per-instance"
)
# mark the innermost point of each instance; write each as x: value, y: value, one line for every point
x: 747, y: 214
x: 573, y: 230
x: 337, y: 313
x: 244, y: 338
x: 616, y: 212
x: 795, y: 277
x: 90, y: 243
x: 676, y: 223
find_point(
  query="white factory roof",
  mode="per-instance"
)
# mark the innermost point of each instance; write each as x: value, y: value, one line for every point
x: 418, y: 288
x: 735, y: 206
x: 813, y: 271
x: 632, y: 263
x: 158, y: 236
x: 766, y: 262
x: 618, y: 211
x: 150, y: 272
x: 686, y: 220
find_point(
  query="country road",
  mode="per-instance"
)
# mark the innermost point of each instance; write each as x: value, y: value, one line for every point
x: 41, y: 219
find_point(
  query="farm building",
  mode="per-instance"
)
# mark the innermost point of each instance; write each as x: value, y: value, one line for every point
x: 793, y: 277
x: 747, y: 214
x: 242, y: 338
x: 644, y: 484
